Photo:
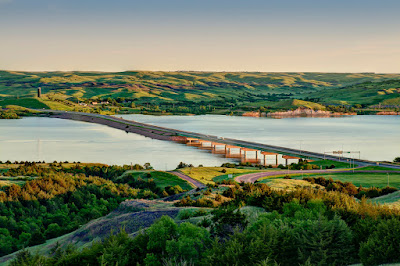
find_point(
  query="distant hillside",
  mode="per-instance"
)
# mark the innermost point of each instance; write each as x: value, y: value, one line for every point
x: 385, y: 92
x: 211, y: 91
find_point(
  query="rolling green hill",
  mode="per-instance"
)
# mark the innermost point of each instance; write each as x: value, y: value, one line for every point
x: 223, y: 92
x: 386, y: 92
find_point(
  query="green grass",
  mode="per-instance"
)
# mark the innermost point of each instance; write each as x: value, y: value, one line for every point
x: 207, y: 174
x: 24, y: 102
x: 325, y: 163
x: 362, y: 179
x: 8, y: 181
x: 226, y: 177
x: 57, y: 105
x: 247, y: 89
x: 380, y: 168
x: 367, y: 93
x: 162, y: 179
x: 388, y: 199
x: 252, y: 212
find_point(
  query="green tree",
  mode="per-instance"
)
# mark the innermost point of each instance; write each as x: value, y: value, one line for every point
x: 53, y: 230
x: 383, y: 246
x: 190, y: 243
x: 159, y: 233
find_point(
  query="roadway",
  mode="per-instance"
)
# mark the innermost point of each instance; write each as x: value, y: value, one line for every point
x: 230, y: 141
x: 253, y: 177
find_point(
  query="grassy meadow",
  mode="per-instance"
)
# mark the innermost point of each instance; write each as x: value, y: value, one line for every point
x: 211, y: 92
x: 162, y: 179
x: 358, y: 179
x: 210, y: 175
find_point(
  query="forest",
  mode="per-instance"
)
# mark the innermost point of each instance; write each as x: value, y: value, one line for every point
x: 58, y: 200
x: 248, y: 223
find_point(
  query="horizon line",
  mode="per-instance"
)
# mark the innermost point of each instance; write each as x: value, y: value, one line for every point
x: 200, y: 71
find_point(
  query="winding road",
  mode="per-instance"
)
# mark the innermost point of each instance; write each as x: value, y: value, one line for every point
x: 188, y: 179
x: 251, y: 178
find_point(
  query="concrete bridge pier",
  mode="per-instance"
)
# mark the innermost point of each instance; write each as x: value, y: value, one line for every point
x: 207, y: 147
x: 265, y: 153
x: 193, y: 142
x: 229, y: 153
x: 245, y: 155
x: 287, y: 158
x: 215, y: 149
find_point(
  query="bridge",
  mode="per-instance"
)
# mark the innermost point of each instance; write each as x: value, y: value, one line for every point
x: 231, y: 148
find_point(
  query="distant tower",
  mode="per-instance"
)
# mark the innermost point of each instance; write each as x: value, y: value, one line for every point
x: 39, y: 92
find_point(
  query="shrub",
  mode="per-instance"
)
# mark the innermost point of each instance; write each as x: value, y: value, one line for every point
x: 383, y: 246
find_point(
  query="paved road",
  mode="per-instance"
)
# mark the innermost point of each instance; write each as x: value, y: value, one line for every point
x: 251, y: 178
x: 188, y: 178
x: 142, y: 127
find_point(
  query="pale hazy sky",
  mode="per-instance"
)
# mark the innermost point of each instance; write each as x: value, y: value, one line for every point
x: 206, y: 35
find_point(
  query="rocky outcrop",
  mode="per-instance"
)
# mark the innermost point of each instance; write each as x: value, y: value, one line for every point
x: 388, y: 113
x: 252, y: 114
x: 306, y: 112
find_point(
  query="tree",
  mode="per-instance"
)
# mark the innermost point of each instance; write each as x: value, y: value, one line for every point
x: 148, y: 166
x: 53, y: 230
x: 396, y: 160
x: 383, y: 246
x: 159, y: 233
x: 190, y: 243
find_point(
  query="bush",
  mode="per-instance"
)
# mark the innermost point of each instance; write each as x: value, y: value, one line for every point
x: 383, y: 246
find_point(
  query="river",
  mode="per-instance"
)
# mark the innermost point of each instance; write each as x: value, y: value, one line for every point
x: 49, y: 139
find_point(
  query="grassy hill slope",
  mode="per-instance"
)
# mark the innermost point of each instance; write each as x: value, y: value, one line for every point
x: 230, y: 90
x: 385, y: 92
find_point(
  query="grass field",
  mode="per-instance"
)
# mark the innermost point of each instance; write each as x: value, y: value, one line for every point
x: 162, y: 179
x: 24, y: 102
x: 8, y: 181
x: 328, y: 163
x: 4, y: 166
x: 380, y: 168
x: 287, y: 184
x: 239, y: 89
x: 392, y: 198
x: 362, y: 179
x: 207, y: 174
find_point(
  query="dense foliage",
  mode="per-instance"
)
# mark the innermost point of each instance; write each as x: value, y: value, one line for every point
x: 308, y: 233
x: 8, y: 114
x: 53, y: 205
x: 306, y: 226
x: 302, y: 227
x: 56, y: 200
x: 349, y: 188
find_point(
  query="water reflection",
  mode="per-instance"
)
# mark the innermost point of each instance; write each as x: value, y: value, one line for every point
x: 49, y: 139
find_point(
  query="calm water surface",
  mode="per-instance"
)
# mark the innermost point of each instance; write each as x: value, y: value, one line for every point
x: 49, y: 139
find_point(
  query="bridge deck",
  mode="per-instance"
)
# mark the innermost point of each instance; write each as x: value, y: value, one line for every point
x: 164, y: 133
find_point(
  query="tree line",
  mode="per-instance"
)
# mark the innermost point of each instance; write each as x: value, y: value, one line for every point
x: 301, y: 227
x: 58, y: 200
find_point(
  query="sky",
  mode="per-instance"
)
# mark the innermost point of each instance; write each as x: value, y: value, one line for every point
x: 201, y: 35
